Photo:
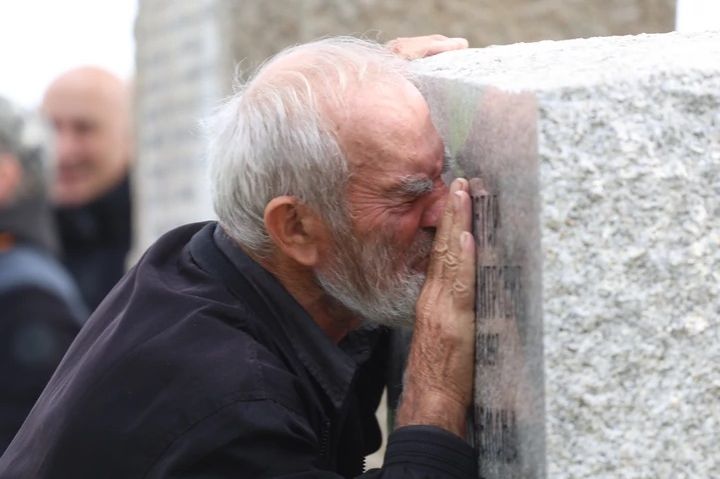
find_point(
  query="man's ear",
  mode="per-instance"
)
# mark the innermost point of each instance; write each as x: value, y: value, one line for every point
x: 295, y: 229
x: 10, y: 177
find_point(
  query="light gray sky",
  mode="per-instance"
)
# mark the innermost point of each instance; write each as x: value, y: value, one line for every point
x: 698, y: 15
x: 40, y: 39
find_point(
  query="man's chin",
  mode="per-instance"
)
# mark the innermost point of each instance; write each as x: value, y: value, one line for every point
x: 406, y: 324
x: 69, y: 196
x: 361, y: 317
x: 421, y: 266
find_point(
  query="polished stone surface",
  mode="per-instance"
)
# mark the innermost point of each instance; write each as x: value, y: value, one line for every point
x: 491, y: 139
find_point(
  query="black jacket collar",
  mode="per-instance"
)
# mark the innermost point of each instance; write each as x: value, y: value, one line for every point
x: 332, y: 366
x: 105, y: 221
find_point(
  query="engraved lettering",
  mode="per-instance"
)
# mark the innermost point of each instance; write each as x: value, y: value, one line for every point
x: 498, y: 435
x: 487, y: 219
x: 488, y: 349
x: 498, y: 292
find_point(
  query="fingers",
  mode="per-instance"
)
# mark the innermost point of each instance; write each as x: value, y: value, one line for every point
x: 460, y: 259
x: 413, y: 48
x: 463, y: 215
x: 447, y: 250
x: 464, y: 281
x: 442, y: 234
x: 446, y: 45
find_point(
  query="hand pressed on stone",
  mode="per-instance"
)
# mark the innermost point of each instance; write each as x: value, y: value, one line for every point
x: 439, y: 373
x: 413, y: 48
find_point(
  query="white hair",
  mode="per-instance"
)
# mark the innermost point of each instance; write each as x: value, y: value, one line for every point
x: 275, y: 135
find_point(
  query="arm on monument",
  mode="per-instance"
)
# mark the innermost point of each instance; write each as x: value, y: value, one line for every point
x: 265, y: 439
x: 413, y: 48
x: 439, y: 373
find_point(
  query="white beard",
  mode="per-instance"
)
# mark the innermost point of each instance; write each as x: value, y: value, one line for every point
x: 374, y: 279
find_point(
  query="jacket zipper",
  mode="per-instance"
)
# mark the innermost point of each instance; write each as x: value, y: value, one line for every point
x: 325, y: 440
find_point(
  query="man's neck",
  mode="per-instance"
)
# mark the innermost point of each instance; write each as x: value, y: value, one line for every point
x: 333, y: 318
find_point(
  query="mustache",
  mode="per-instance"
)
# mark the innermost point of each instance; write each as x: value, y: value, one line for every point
x: 420, y: 249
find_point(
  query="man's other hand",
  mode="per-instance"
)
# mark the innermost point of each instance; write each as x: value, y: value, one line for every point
x: 439, y: 374
x: 413, y: 48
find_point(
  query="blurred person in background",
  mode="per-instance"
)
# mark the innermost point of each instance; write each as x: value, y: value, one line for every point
x: 89, y: 108
x: 41, y: 310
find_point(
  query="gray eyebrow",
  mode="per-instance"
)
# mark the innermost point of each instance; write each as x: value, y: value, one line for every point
x: 417, y: 186
x: 414, y: 186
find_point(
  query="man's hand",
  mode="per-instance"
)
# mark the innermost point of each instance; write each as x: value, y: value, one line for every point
x: 439, y: 374
x: 413, y: 48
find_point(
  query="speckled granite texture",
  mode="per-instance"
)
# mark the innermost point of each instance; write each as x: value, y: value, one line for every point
x: 629, y: 147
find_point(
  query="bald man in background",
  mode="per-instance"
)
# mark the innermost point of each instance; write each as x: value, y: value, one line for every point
x: 89, y: 109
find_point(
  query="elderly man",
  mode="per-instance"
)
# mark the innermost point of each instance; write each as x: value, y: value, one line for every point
x: 256, y: 346
x: 90, y: 111
x: 40, y: 308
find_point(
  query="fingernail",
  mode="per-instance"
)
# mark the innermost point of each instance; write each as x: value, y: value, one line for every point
x: 462, y: 42
x: 456, y: 200
x: 457, y: 185
x: 465, y: 239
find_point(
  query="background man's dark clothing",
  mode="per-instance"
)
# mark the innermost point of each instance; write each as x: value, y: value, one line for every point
x: 200, y: 364
x: 95, y: 240
x: 40, y: 314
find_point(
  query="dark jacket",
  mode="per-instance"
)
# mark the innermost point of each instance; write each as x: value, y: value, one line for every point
x: 95, y: 240
x: 40, y: 314
x: 200, y: 364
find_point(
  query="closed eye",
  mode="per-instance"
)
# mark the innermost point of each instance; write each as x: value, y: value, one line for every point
x: 412, y: 187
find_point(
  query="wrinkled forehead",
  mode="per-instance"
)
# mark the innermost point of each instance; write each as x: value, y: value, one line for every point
x: 383, y: 121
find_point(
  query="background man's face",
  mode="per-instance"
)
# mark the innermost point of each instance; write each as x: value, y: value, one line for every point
x: 91, y: 145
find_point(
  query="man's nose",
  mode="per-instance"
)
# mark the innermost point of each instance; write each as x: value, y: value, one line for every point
x: 434, y: 211
x: 64, y: 147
